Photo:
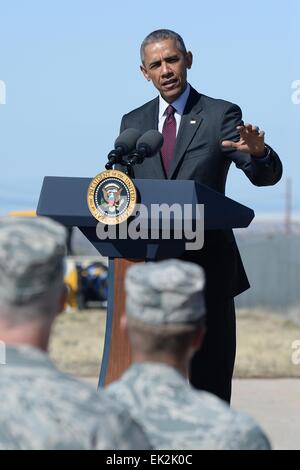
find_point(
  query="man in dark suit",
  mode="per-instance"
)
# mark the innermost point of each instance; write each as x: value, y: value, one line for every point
x: 202, y: 137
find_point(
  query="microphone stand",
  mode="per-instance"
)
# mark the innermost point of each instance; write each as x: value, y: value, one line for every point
x: 133, y: 158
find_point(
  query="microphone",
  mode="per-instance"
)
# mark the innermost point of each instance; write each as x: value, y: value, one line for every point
x: 147, y: 145
x: 124, y: 144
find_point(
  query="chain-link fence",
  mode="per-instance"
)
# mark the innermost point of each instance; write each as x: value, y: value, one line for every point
x: 272, y: 263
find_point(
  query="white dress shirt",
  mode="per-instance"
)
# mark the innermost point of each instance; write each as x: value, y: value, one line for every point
x: 179, y: 106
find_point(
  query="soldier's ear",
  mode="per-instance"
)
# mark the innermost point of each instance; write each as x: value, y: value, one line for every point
x: 62, y: 301
x: 198, y: 338
x: 123, y: 322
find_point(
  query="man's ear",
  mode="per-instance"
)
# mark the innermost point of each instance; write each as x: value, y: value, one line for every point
x: 144, y: 72
x: 189, y: 59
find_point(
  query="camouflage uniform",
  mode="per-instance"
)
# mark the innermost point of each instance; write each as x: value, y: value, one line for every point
x: 40, y: 407
x: 173, y: 414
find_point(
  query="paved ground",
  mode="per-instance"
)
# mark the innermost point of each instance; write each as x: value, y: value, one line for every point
x: 275, y: 404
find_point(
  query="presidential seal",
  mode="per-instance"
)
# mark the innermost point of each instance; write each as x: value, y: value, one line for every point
x: 111, y: 197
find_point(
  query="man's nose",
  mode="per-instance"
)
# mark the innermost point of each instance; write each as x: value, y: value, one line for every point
x: 165, y: 69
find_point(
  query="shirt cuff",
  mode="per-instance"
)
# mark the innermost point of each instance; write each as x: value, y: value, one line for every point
x: 266, y: 158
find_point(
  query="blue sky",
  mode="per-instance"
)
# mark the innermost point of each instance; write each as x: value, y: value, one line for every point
x: 71, y: 70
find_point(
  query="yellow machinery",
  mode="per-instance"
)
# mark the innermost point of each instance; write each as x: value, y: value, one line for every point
x: 71, y: 281
x: 29, y: 213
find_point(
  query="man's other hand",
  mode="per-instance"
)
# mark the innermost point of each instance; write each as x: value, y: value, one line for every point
x: 252, y: 140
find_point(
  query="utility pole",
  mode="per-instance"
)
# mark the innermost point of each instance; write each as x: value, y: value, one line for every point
x: 288, y: 207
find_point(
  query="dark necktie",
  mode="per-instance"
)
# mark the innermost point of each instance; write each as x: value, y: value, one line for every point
x: 169, y: 134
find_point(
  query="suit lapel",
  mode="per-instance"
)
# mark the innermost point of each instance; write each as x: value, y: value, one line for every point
x: 190, y: 122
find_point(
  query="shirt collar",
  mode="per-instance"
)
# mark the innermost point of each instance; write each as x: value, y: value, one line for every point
x: 27, y: 356
x: 178, y: 104
x: 156, y: 370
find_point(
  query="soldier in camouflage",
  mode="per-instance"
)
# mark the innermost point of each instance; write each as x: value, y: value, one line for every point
x: 40, y: 407
x: 165, y: 320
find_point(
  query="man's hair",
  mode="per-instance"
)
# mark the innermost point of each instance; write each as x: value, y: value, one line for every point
x: 154, y: 340
x: 161, y: 35
x: 43, y: 307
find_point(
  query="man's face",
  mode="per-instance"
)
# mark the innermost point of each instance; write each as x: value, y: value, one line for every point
x: 166, y: 66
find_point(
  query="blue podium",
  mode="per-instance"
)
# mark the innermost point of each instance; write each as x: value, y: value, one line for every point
x: 64, y: 199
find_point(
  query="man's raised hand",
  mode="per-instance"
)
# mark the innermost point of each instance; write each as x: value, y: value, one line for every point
x: 251, y: 141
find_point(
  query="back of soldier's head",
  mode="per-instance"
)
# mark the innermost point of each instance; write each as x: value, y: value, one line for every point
x: 164, y: 305
x: 31, y: 267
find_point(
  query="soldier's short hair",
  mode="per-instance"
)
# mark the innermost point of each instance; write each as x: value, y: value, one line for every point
x: 149, y: 339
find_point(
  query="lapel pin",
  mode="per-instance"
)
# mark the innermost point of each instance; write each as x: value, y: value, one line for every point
x: 192, y: 121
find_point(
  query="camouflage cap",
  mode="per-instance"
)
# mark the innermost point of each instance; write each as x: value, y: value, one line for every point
x: 165, y: 292
x: 31, y: 257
